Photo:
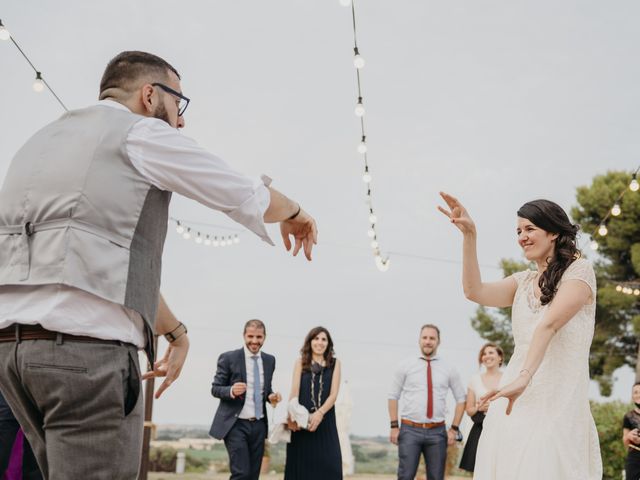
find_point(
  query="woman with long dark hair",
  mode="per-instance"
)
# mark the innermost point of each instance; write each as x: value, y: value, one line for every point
x: 314, y: 450
x: 491, y: 357
x: 540, y: 424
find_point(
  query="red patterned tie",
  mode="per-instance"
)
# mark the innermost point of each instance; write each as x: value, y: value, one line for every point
x: 429, y: 390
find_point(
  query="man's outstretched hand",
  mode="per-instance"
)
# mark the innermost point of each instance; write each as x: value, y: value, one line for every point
x: 304, y: 231
x: 170, y: 365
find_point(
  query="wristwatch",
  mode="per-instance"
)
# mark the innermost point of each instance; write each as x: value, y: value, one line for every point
x: 176, y: 333
x: 458, y: 436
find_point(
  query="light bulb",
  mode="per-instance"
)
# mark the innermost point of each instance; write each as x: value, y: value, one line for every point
x: 594, y: 245
x: 236, y: 239
x: 180, y: 229
x: 187, y: 235
x: 627, y: 291
x: 358, y: 61
x: 373, y: 218
x: 359, y: 111
x: 603, y: 230
x: 383, y: 265
x: 619, y: 288
x: 215, y: 242
x: 634, y: 185
x: 374, y: 244
x: 616, y: 210
x: 38, y: 84
x: 366, y: 178
x: 4, y: 33
x: 636, y: 292
x: 362, y: 147
x: 207, y: 241
x: 371, y: 232
x: 367, y: 198
x: 198, y: 239
x: 345, y: 3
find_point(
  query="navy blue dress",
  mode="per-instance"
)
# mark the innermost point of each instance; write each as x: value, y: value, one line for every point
x: 315, y: 455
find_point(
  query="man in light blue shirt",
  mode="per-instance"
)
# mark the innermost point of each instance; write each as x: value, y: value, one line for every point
x: 422, y: 383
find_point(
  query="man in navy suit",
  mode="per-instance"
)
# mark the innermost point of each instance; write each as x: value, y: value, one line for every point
x: 243, y: 385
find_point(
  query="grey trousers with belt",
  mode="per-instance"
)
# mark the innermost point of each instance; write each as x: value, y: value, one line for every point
x: 79, y: 405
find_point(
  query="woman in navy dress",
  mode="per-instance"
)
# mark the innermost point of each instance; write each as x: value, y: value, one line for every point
x: 314, y: 451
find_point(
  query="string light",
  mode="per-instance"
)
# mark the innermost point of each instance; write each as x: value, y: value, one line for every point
x: 4, y: 33
x: 202, y: 238
x: 362, y: 148
x: 40, y: 83
x: 615, y: 211
x: 359, y: 110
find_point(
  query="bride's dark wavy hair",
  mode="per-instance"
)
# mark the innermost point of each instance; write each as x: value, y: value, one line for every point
x: 550, y: 217
x: 305, y: 351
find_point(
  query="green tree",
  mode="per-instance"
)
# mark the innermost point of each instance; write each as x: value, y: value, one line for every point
x: 608, y: 417
x: 615, y: 341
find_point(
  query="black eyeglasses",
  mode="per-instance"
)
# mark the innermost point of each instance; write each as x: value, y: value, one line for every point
x: 184, y: 101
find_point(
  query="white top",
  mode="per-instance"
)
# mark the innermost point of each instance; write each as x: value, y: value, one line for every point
x: 477, y: 386
x: 249, y: 409
x: 550, y: 432
x: 170, y: 161
x: 410, y: 386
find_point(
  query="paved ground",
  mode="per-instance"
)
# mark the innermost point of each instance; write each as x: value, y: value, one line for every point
x: 209, y: 476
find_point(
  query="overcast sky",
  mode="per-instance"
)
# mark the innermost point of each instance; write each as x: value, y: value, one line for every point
x: 496, y: 102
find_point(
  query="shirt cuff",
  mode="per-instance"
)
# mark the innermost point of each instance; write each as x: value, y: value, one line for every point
x: 233, y: 397
x: 251, y: 212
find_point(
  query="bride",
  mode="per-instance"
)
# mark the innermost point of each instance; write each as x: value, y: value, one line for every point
x: 539, y: 425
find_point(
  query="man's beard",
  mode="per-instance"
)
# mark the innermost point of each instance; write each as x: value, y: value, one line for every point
x: 161, y: 113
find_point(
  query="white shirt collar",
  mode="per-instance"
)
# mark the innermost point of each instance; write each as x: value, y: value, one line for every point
x: 113, y: 104
x: 248, y: 354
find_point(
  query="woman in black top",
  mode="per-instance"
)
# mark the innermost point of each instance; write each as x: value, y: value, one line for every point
x: 314, y: 452
x: 631, y: 436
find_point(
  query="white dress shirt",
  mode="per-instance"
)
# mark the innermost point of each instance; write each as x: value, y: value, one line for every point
x: 410, y: 387
x: 249, y: 408
x: 169, y: 161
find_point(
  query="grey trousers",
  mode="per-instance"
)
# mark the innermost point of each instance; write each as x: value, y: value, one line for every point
x: 416, y: 441
x: 79, y: 405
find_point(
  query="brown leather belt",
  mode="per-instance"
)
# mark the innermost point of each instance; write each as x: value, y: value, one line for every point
x: 17, y: 333
x: 421, y: 425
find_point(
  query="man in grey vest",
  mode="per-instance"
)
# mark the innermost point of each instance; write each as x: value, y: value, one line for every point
x: 83, y: 219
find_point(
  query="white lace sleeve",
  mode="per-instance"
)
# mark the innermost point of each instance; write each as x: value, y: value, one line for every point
x: 520, y: 276
x: 582, y: 270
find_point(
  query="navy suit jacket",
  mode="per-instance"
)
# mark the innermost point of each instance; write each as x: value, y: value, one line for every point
x: 231, y: 369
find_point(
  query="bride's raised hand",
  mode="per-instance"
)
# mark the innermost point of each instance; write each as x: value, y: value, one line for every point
x: 457, y: 214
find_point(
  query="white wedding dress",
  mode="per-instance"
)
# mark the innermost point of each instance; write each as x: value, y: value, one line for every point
x: 550, y: 434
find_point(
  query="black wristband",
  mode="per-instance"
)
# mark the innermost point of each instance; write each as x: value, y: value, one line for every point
x: 394, y: 424
x: 455, y: 428
x: 295, y: 214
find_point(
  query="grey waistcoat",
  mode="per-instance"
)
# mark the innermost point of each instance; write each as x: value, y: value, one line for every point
x: 75, y: 211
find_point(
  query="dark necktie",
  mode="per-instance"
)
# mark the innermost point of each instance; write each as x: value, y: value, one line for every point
x: 429, y: 390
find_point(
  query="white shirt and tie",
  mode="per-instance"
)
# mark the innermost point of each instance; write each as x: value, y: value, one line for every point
x: 250, y: 409
x: 410, y: 385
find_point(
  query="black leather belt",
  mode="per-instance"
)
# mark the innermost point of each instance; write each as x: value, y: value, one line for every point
x: 18, y: 332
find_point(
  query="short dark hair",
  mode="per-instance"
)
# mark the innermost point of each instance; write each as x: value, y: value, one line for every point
x: 127, y: 67
x: 255, y: 323
x: 430, y: 325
